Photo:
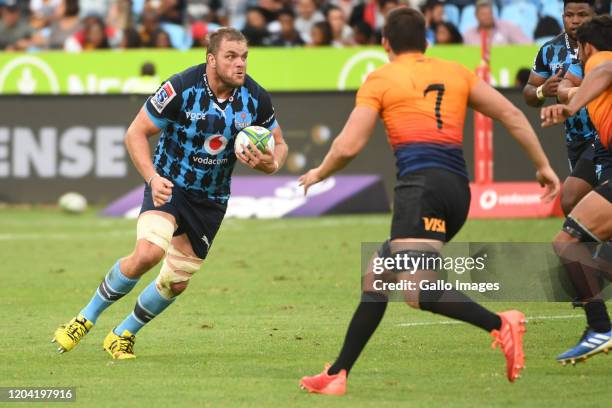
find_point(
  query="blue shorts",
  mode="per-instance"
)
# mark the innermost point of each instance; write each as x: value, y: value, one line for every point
x: 581, y: 157
x: 198, y: 217
x: 603, y: 162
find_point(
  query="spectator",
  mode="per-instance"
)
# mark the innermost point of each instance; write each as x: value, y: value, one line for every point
x: 161, y: 39
x: 130, y: 39
x: 15, y: 33
x: 308, y: 15
x: 547, y: 28
x: 386, y: 6
x: 346, y: 6
x: 43, y: 12
x: 321, y: 34
x: 150, y: 26
x: 97, y: 7
x: 368, y: 12
x: 498, y: 32
x: 363, y: 33
x: 66, y: 26
x: 255, y: 30
x: 447, y: 33
x: 200, y: 31
x: 120, y: 15
x: 171, y: 11
x: 433, y: 11
x: 288, y: 35
x: 341, y: 32
x: 95, y: 36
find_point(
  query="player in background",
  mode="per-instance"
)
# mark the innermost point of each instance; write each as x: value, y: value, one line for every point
x: 551, y: 64
x: 423, y: 103
x: 199, y: 112
x: 584, y: 243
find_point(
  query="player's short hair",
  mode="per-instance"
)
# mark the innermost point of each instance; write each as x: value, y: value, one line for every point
x: 225, y: 33
x: 597, y: 32
x: 405, y: 30
x: 589, y: 2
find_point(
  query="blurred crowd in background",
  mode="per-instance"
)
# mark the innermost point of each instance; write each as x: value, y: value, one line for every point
x: 80, y: 25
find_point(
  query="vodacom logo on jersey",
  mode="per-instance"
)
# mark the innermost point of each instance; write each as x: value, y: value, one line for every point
x: 215, y: 144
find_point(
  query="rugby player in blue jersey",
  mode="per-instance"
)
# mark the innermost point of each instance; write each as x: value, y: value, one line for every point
x: 551, y: 64
x: 199, y: 112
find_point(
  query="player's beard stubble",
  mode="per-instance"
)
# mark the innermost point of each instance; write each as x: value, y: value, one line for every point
x: 231, y: 81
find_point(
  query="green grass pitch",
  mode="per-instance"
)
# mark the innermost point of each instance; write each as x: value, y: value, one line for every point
x: 270, y: 305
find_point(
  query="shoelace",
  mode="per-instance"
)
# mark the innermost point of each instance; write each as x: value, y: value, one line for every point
x: 126, y: 344
x: 76, y: 330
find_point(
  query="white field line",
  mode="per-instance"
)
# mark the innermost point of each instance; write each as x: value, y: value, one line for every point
x: 445, y: 322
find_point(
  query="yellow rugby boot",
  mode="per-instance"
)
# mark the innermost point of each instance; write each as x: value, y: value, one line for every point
x: 68, y: 335
x: 120, y: 347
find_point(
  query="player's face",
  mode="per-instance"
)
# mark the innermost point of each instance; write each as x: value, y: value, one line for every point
x: 574, y: 15
x: 231, y: 62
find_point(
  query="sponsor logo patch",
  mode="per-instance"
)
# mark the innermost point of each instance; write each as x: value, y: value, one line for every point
x: 242, y: 120
x: 215, y: 144
x: 163, y: 96
x: 434, y: 224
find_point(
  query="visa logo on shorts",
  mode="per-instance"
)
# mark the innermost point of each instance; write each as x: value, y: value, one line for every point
x: 434, y: 225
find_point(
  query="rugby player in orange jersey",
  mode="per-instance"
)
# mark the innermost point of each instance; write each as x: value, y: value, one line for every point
x: 584, y: 243
x: 423, y: 103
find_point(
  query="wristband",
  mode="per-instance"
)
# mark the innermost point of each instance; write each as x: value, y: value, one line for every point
x: 151, y: 179
x: 540, y: 92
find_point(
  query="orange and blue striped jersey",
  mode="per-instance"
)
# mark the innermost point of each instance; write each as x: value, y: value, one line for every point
x: 422, y: 102
x: 600, y: 108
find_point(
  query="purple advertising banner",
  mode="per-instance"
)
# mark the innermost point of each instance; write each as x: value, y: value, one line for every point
x: 281, y: 196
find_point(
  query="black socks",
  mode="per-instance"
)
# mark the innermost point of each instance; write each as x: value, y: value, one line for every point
x: 456, y: 305
x: 368, y: 315
x: 597, y: 316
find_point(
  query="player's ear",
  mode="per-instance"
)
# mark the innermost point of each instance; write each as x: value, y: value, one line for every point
x: 210, y: 60
x: 386, y: 45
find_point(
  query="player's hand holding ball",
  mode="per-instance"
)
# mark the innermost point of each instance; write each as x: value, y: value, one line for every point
x: 161, y: 190
x: 254, y: 146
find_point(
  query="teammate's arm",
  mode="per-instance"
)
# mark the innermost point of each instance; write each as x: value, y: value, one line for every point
x: 137, y: 144
x: 593, y: 84
x: 490, y: 102
x: 539, y: 88
x: 567, y: 87
x: 351, y: 140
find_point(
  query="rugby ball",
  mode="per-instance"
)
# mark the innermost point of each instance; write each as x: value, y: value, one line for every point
x: 73, y: 203
x: 260, y: 136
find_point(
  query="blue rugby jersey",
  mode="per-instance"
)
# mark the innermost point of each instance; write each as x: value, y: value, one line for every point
x: 554, y: 55
x: 196, y: 147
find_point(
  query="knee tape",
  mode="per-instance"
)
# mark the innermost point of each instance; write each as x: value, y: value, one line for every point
x: 574, y: 228
x: 177, y: 267
x: 155, y: 229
